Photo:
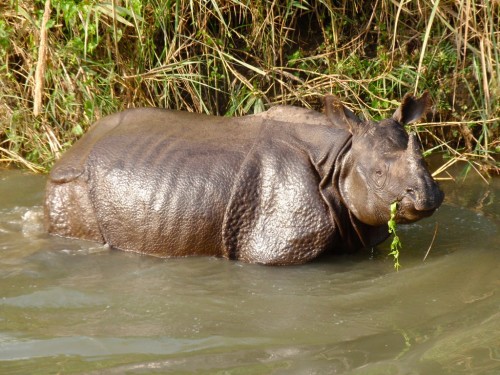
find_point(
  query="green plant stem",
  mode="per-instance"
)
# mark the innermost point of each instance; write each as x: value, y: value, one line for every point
x: 396, y: 243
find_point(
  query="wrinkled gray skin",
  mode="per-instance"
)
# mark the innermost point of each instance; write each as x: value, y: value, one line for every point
x: 280, y: 187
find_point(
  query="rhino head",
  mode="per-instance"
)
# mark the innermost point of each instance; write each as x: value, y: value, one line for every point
x: 385, y: 165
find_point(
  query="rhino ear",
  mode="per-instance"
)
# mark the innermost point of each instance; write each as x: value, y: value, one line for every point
x: 340, y: 116
x: 412, y: 109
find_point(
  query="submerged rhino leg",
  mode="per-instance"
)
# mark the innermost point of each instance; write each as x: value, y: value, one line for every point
x: 69, y: 211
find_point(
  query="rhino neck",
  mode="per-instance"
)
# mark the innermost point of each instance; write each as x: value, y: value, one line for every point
x: 351, y: 232
x: 364, y: 235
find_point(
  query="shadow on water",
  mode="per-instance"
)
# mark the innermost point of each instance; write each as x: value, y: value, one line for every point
x: 75, y: 307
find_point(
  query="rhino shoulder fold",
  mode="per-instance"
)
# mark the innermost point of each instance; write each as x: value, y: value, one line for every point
x: 275, y: 215
x: 72, y: 164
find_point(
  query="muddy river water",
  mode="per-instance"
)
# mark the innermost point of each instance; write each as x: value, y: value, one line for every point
x: 71, y: 306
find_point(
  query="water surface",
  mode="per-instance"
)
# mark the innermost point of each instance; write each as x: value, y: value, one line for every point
x: 69, y: 306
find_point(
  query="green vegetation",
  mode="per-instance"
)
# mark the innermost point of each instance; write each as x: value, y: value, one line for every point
x: 396, y: 243
x: 89, y: 58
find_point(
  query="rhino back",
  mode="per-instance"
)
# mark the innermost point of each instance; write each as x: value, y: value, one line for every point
x: 160, y: 181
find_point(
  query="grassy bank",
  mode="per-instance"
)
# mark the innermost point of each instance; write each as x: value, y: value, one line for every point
x: 66, y: 63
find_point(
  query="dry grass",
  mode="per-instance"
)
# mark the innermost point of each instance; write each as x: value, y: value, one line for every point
x: 233, y: 57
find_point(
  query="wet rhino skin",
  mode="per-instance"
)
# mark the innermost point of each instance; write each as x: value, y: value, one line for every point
x: 262, y: 188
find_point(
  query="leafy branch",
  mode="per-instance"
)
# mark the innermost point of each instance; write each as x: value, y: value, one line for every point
x: 396, y: 243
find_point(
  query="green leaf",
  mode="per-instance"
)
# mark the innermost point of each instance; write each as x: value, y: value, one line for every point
x: 396, y: 243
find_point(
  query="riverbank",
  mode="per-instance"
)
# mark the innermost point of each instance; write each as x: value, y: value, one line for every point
x: 66, y: 63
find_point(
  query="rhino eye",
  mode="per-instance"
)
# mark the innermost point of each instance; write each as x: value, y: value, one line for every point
x: 380, y: 177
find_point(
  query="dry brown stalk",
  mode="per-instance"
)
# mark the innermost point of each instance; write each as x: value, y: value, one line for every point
x: 432, y: 242
x: 42, y: 62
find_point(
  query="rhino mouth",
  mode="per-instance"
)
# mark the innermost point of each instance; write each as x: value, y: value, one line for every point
x: 413, y: 206
x: 411, y: 214
x: 408, y: 212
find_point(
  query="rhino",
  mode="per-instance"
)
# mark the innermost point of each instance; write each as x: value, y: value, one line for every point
x: 279, y: 188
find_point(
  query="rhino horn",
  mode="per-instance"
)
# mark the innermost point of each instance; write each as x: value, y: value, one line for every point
x: 413, y: 147
x: 340, y: 116
x: 412, y: 109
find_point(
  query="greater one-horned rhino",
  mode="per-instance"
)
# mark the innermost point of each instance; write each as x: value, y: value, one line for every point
x: 279, y: 187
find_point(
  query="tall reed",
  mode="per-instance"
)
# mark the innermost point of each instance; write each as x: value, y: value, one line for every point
x: 233, y: 57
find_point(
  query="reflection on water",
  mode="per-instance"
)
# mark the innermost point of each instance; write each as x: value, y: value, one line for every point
x: 76, y: 307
